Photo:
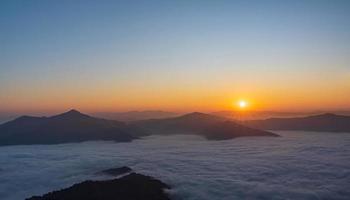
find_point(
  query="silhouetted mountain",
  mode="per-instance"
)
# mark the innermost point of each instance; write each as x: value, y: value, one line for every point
x: 228, y: 130
x: 209, y: 126
x: 135, y: 115
x: 130, y: 187
x: 71, y: 126
x: 324, y: 122
x: 192, y: 122
x: 259, y: 115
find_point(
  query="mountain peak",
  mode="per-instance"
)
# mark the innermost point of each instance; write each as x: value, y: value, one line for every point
x: 73, y: 111
x: 198, y: 115
x: 195, y: 114
x: 71, y: 114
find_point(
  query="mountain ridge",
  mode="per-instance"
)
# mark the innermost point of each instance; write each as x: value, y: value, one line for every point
x: 135, y: 115
x: 206, y: 125
x: 71, y: 126
x: 326, y: 122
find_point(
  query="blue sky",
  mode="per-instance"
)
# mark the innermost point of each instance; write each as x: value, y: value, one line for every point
x: 218, y: 50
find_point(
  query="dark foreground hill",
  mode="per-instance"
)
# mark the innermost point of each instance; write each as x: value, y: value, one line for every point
x: 130, y: 187
x: 71, y: 126
x: 321, y: 123
x: 206, y: 125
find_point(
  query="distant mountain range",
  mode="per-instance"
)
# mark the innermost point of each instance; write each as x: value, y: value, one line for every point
x: 259, y: 115
x: 321, y: 123
x: 206, y: 125
x: 159, y: 114
x: 71, y: 126
x: 135, y: 115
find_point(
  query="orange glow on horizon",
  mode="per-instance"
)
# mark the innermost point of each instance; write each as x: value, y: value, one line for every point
x: 177, y: 98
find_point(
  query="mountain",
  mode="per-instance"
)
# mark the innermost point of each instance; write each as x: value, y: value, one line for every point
x: 71, y: 126
x: 130, y: 187
x: 192, y: 122
x: 323, y: 123
x: 261, y: 115
x: 228, y: 130
x: 210, y: 126
x: 135, y: 115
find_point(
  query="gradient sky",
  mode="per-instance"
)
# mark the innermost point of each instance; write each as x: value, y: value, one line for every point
x: 174, y: 55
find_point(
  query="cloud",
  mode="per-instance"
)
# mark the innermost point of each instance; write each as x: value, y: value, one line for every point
x: 295, y: 166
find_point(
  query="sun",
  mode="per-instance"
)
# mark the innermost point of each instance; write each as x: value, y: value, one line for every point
x: 242, y: 104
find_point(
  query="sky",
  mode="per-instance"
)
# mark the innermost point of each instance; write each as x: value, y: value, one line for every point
x: 174, y: 55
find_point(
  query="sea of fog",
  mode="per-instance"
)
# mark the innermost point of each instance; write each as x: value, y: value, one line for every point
x: 298, y: 165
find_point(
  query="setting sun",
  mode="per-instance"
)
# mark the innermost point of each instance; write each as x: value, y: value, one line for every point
x: 242, y: 104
